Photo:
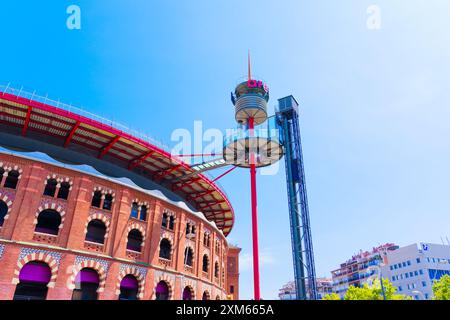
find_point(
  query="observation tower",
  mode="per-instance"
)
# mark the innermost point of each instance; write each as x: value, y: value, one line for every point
x: 252, y: 147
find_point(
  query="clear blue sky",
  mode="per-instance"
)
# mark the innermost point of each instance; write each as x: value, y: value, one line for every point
x: 375, y: 104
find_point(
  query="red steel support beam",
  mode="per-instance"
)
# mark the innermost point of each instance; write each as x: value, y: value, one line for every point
x: 197, y: 196
x: 210, y: 204
x: 27, y: 121
x: 251, y: 127
x: 161, y: 175
x: 137, y: 162
x: 72, y: 132
x: 108, y: 147
x: 186, y: 184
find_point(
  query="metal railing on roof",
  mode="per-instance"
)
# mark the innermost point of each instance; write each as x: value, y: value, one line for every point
x: 34, y: 96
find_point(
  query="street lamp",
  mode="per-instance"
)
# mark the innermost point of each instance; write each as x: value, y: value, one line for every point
x: 378, y: 268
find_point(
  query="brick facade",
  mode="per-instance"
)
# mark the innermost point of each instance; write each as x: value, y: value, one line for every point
x: 67, y: 252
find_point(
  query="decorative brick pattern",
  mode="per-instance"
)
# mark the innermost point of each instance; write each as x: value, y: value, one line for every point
x: 98, y: 265
x: 51, y: 206
x: 102, y: 217
x: 5, y: 198
x: 168, y: 279
x: 137, y: 272
x: 28, y: 255
x: 140, y: 228
x: 188, y: 283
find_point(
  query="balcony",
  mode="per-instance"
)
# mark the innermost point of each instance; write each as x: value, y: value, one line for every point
x: 45, y: 238
x: 134, y: 255
x: 165, y: 263
x: 94, y: 246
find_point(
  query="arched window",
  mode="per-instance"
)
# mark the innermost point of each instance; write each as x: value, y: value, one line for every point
x: 188, y: 256
x: 107, y: 204
x: 162, y: 291
x: 129, y: 287
x: 206, y: 296
x: 188, y: 228
x: 97, y: 199
x: 2, y: 172
x: 164, y: 222
x: 12, y: 179
x: 205, y: 240
x: 171, y: 222
x: 205, y: 266
x: 87, y: 282
x: 165, y: 249
x: 33, y: 280
x: 143, y: 216
x: 216, y: 270
x: 50, y: 187
x: 3, y: 212
x: 187, y: 293
x: 64, y: 190
x: 48, y: 222
x: 134, y: 210
x: 96, y: 231
x: 135, y: 240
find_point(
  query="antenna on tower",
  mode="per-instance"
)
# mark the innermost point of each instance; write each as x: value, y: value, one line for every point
x: 249, y: 66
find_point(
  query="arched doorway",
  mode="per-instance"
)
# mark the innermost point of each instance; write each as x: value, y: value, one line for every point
x: 86, y: 285
x: 206, y: 296
x: 129, y: 288
x: 162, y: 291
x: 33, y: 280
x: 188, y: 294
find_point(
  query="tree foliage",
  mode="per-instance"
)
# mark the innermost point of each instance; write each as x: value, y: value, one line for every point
x: 332, y: 296
x: 441, y: 288
x: 370, y: 292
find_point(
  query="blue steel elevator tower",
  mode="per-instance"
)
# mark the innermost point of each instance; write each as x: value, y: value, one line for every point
x: 302, y: 247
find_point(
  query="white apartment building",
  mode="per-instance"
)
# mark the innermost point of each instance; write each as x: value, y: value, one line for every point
x: 412, y: 269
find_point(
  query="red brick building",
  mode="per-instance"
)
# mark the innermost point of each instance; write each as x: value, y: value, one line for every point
x: 65, y: 234
x: 155, y: 231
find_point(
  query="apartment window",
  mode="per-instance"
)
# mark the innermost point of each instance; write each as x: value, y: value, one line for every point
x: 411, y: 274
x: 426, y: 296
x: 424, y: 284
x: 418, y: 260
x: 404, y: 264
x: 406, y: 275
x: 416, y: 273
x: 409, y: 263
x: 420, y: 271
x: 393, y: 278
x: 400, y: 288
x: 391, y: 267
x: 395, y: 267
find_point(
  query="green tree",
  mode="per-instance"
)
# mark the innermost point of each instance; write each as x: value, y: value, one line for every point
x: 332, y: 296
x: 374, y: 292
x: 441, y: 288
